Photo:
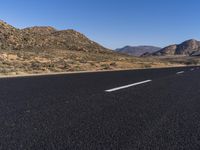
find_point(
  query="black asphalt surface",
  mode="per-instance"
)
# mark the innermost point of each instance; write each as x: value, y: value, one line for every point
x: 73, y: 112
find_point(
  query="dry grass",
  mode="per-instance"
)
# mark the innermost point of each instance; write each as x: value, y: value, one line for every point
x: 49, y: 61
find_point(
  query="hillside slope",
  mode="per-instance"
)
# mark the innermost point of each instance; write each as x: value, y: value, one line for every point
x: 12, y: 38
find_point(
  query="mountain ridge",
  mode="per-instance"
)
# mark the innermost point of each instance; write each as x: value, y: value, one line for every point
x: 187, y: 48
x: 138, y: 50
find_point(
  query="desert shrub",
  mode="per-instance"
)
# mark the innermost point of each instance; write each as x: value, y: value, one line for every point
x: 192, y: 62
x: 92, y: 63
x: 114, y: 64
x: 83, y: 61
x: 35, y: 65
x: 51, y: 65
x: 105, y: 66
x: 147, y: 66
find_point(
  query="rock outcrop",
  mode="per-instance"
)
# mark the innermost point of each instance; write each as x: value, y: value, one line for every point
x: 186, y: 48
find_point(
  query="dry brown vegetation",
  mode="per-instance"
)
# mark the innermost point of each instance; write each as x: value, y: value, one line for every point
x: 49, y: 61
x: 47, y: 50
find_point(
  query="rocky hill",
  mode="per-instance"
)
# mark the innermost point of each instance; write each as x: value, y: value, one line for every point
x: 46, y: 50
x: 138, y: 50
x: 12, y: 38
x: 186, y: 48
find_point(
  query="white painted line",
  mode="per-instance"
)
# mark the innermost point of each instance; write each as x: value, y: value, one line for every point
x: 127, y: 86
x: 192, y: 69
x: 181, y: 72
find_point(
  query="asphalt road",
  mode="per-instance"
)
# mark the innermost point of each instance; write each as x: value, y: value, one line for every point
x: 125, y: 110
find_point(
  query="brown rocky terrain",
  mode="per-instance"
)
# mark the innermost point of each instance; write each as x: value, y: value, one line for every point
x: 44, y: 38
x: 47, y: 50
x: 186, y: 48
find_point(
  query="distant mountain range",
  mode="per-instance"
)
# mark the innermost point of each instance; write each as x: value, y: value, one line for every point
x: 45, y: 37
x: 138, y: 50
x: 188, y: 48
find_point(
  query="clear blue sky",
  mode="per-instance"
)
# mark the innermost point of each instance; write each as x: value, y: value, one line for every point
x: 112, y: 23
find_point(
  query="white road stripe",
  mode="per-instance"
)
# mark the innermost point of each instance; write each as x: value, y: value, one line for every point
x: 192, y: 69
x: 127, y: 86
x: 181, y: 72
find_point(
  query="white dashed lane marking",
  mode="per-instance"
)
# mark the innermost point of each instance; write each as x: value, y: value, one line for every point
x: 181, y: 72
x: 127, y: 86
